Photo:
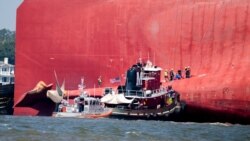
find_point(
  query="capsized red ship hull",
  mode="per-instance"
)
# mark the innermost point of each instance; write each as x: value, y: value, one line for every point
x: 95, y: 37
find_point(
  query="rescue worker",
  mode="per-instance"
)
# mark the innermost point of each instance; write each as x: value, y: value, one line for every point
x: 171, y: 73
x: 99, y: 81
x: 171, y: 95
x: 177, y: 76
x: 166, y: 75
x: 180, y: 73
x: 170, y: 91
x: 187, y: 72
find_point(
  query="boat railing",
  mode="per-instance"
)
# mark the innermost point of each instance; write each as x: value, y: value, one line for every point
x: 139, y: 93
x: 95, y: 108
x: 159, y: 91
x: 147, y: 93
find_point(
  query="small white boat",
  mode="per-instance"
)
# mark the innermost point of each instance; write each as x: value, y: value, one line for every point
x: 83, y: 107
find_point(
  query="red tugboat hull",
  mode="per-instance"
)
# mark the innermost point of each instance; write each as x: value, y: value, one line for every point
x: 90, y: 38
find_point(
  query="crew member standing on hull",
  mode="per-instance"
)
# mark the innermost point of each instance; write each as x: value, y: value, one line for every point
x: 99, y: 81
x: 188, y: 72
x: 166, y: 75
x: 180, y: 73
x: 171, y: 73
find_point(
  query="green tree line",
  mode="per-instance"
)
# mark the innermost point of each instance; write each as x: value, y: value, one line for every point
x: 7, y: 45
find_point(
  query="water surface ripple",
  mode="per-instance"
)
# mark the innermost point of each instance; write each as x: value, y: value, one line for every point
x: 14, y: 128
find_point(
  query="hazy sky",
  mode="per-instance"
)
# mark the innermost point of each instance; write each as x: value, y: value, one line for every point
x: 8, y: 13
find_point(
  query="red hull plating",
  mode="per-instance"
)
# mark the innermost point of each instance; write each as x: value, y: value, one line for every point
x: 95, y: 37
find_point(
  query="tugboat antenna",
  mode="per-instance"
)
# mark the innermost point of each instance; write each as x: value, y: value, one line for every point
x: 68, y: 96
x: 154, y: 58
x: 148, y: 56
x: 94, y: 90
